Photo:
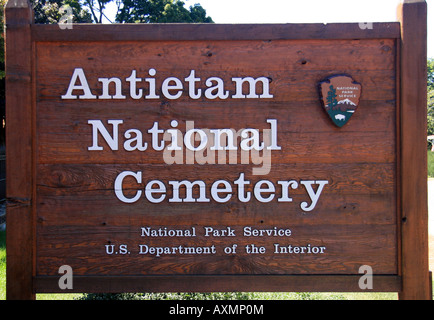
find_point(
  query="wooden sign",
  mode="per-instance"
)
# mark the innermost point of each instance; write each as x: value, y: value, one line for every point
x: 200, y: 157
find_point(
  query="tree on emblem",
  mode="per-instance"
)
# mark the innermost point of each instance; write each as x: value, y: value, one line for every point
x: 331, y: 97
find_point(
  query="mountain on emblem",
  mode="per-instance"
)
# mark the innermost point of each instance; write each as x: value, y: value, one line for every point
x: 340, y: 96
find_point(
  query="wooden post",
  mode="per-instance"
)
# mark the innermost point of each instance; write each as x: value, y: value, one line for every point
x: 415, y: 275
x: 19, y: 231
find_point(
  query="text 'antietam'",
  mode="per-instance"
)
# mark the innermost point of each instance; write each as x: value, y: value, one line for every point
x: 171, y: 88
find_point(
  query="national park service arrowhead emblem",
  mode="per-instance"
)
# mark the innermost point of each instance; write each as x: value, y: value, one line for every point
x: 340, y: 96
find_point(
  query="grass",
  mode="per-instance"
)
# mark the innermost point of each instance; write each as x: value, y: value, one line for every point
x: 2, y: 265
x: 248, y: 296
x: 430, y: 160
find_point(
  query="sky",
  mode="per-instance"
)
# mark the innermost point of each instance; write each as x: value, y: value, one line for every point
x: 308, y: 11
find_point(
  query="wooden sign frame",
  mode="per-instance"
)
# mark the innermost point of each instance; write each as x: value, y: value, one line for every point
x: 412, y: 280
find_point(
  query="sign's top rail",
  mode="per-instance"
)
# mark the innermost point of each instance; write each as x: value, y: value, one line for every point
x: 168, y: 32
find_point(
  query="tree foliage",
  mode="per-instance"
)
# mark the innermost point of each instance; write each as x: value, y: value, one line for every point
x: 49, y: 11
x: 430, y: 67
x: 430, y: 112
x: 127, y: 11
x: 430, y: 97
x: 98, y: 7
x: 160, y: 11
x: 331, y: 97
x: 2, y: 41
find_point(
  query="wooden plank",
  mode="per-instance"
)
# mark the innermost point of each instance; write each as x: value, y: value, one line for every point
x: 97, y: 218
x: 88, y: 251
x: 243, y: 283
x: 299, y: 64
x: 351, y: 179
x: 146, y: 32
x: 398, y: 151
x: 355, y: 202
x: 303, y: 146
x: 294, y: 89
x: 19, y: 232
x: 413, y: 17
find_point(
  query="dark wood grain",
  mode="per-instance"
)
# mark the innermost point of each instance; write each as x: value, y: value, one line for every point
x: 202, y: 283
x: 152, y: 32
x: 19, y: 152
x: 355, y: 219
x: 416, y: 284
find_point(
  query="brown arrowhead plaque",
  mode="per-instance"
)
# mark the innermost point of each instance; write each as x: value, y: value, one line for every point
x: 340, y: 96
